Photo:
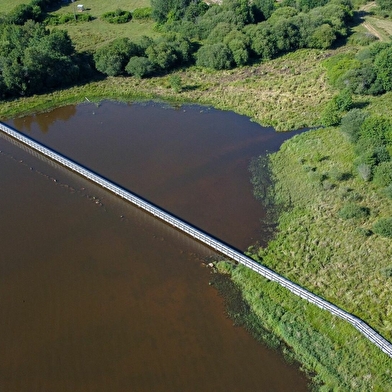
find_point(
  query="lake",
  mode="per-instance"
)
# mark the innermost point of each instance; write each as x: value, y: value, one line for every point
x: 97, y: 295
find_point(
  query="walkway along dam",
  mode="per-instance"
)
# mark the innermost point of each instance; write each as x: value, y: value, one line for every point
x: 366, y: 330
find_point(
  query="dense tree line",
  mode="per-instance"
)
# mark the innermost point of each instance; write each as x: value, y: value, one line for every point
x: 239, y: 32
x: 145, y: 57
x: 235, y: 33
x: 32, y: 58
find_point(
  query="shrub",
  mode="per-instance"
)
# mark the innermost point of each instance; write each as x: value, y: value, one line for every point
x: 352, y: 122
x: 362, y: 39
x: 55, y: 20
x: 353, y: 211
x: 383, y: 227
x: 388, y: 191
x: 139, y: 67
x: 117, y: 17
x: 365, y: 171
x: 175, y: 83
x: 374, y: 130
x: 344, y: 100
x: 216, y: 56
x: 331, y: 114
x: 337, y: 175
x: 387, y: 272
x: 142, y: 13
x: 383, y: 174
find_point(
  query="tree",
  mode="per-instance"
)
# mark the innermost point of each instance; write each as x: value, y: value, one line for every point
x: 162, y: 10
x: 139, y: 67
x: 263, y: 9
x: 383, y: 68
x: 238, y: 43
x: 262, y: 40
x: 112, y: 58
x: 162, y: 54
x: 322, y: 37
x: 33, y: 59
x: 216, y: 56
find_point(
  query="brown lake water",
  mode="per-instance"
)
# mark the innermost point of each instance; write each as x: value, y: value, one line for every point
x: 96, y: 295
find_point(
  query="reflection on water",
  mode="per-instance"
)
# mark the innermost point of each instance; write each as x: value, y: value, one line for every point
x: 95, y: 294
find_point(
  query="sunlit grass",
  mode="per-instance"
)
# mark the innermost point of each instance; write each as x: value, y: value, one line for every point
x: 7, y: 5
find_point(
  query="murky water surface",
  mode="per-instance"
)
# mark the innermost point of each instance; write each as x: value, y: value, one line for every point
x: 96, y: 295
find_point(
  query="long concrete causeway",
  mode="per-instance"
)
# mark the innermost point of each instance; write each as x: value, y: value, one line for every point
x: 222, y: 248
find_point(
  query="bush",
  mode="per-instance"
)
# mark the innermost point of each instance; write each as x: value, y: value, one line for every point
x: 388, y: 191
x: 374, y: 130
x: 55, y: 20
x: 117, y: 17
x: 139, y: 67
x: 383, y: 174
x: 175, y: 83
x: 387, y: 272
x: 365, y: 171
x: 383, y: 227
x: 112, y: 58
x: 216, y: 56
x: 352, y: 122
x: 362, y: 39
x: 142, y: 13
x: 331, y: 114
x: 353, y: 211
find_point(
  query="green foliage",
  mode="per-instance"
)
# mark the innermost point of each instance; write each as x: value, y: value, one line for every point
x: 117, y: 17
x: 371, y: 73
x: 163, y: 54
x: 162, y: 10
x: 383, y: 67
x: 385, y: 5
x: 142, y: 13
x: 351, y: 124
x: 331, y: 114
x: 362, y: 38
x: 388, y: 191
x: 216, y: 56
x: 383, y: 174
x: 24, y: 12
x: 32, y: 59
x: 344, y: 100
x: 365, y: 171
x: 323, y: 37
x: 55, y: 20
x: 111, y: 59
x: 262, y: 40
x: 353, y: 211
x: 374, y: 130
x: 383, y: 227
x: 238, y: 43
x: 263, y: 9
x: 175, y: 83
x: 338, y: 65
x: 139, y: 67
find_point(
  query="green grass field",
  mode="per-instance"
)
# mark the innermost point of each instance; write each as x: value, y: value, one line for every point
x: 90, y: 35
x: 7, y: 5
